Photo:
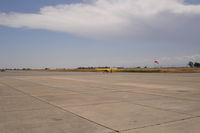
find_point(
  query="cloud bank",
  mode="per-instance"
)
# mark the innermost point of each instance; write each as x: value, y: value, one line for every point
x: 139, y: 20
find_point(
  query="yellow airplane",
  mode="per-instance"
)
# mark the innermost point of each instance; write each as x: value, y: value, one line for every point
x: 106, y: 69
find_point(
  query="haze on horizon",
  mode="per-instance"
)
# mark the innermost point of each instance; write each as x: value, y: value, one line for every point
x: 73, y: 33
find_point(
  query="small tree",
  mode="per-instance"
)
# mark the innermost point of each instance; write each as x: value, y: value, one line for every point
x: 197, y: 64
x: 191, y: 64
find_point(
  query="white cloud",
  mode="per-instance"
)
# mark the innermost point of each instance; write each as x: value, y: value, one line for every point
x: 140, y: 20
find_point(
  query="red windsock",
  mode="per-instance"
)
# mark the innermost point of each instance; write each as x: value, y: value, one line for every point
x: 156, y: 62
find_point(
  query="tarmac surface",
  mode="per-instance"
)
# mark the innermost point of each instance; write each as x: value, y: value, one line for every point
x: 73, y: 102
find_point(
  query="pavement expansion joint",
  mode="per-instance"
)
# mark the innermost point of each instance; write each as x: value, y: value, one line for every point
x: 4, y: 97
x: 24, y: 110
x: 154, y: 94
x: 175, y: 110
x: 79, y: 115
x: 162, y: 109
x: 92, y: 104
x: 49, y: 86
x: 62, y: 109
x: 183, y: 119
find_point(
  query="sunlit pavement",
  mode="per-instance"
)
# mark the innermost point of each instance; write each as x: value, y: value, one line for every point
x: 66, y: 102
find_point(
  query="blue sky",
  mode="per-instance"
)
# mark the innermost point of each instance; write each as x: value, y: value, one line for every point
x: 30, y: 43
